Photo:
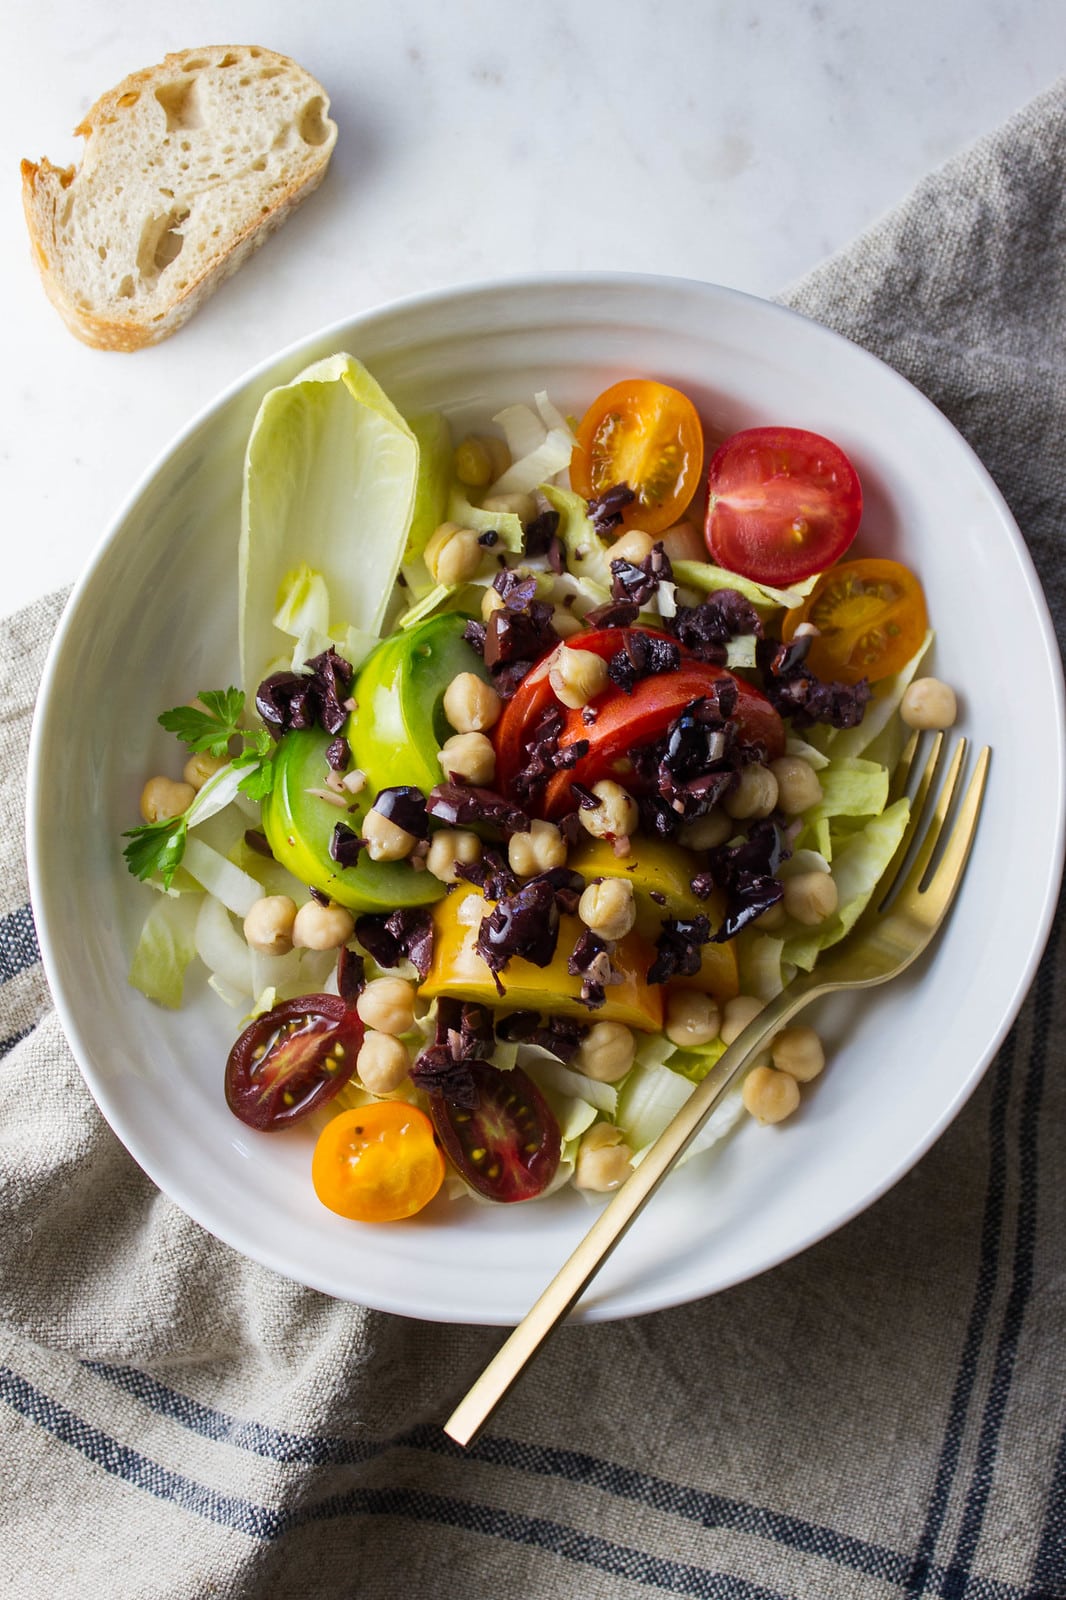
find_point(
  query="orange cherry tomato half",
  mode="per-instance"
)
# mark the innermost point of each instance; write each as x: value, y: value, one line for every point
x: 648, y: 436
x: 379, y: 1163
x: 782, y: 504
x: 870, y: 617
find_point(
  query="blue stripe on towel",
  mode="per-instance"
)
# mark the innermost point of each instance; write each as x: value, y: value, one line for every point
x: 988, y: 1269
x: 18, y: 943
x: 676, y: 1499
x: 1023, y: 1270
x: 264, y: 1524
x: 13, y: 1040
x: 259, y: 1522
x: 955, y: 1582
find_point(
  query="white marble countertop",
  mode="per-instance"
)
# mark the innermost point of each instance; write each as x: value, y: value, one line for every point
x: 479, y: 138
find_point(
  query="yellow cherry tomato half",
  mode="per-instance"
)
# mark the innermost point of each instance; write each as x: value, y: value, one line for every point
x: 648, y: 436
x: 379, y: 1163
x: 870, y: 617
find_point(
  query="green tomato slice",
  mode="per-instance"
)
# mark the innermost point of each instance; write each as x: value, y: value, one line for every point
x: 398, y: 727
x: 299, y: 825
x: 395, y: 734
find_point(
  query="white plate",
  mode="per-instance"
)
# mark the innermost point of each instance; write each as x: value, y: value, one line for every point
x: 154, y: 619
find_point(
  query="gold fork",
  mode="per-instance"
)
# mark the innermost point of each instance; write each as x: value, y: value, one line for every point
x: 896, y: 927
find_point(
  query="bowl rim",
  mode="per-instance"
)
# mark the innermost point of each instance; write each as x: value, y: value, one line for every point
x: 632, y: 1303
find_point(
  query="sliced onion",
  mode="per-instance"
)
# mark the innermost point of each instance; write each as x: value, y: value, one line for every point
x: 237, y: 890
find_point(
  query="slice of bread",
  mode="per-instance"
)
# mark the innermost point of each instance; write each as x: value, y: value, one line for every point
x: 187, y: 167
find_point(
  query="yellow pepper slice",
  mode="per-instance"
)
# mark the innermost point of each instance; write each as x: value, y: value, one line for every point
x: 457, y: 970
x: 661, y: 875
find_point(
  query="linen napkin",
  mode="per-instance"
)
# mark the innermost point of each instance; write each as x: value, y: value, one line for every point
x: 884, y: 1416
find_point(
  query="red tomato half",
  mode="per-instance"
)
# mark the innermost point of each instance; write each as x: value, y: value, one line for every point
x: 625, y: 721
x: 782, y: 504
x: 291, y: 1060
x: 525, y: 708
x: 508, y: 1149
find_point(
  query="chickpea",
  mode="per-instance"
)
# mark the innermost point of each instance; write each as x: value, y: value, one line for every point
x: 608, y: 908
x: 268, y: 927
x: 542, y: 848
x: 684, y: 542
x: 797, y: 785
x: 604, y: 1160
x: 707, y: 832
x: 480, y: 459
x: 202, y: 766
x: 522, y: 506
x: 453, y: 554
x: 450, y: 848
x: 382, y: 1063
x: 577, y: 676
x: 387, y: 1005
x: 928, y: 703
x: 385, y: 840
x: 468, y: 758
x: 318, y: 927
x: 606, y: 1052
x: 634, y: 546
x: 615, y: 817
x: 755, y: 794
x: 799, y: 1052
x: 736, y: 1014
x: 162, y: 798
x: 810, y: 897
x: 773, y: 918
x: 769, y: 1095
x: 692, y: 1018
x: 470, y: 704
x: 491, y: 600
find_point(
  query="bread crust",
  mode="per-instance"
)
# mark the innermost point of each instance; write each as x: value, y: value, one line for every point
x: 45, y: 189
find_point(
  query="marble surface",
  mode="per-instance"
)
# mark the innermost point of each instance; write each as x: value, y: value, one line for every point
x: 480, y: 138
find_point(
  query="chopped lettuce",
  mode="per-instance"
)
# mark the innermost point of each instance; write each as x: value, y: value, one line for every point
x: 880, y: 736
x: 859, y: 864
x: 652, y: 1096
x: 329, y: 482
x: 166, y: 945
x: 587, y: 557
x: 540, y: 443
x: 434, y: 441
x: 304, y: 612
x: 706, y: 578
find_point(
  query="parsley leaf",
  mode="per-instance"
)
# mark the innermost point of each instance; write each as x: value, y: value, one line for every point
x: 259, y: 781
x: 157, y: 847
x: 211, y: 724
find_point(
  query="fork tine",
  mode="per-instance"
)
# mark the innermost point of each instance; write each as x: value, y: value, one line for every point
x: 935, y: 826
x: 941, y: 884
x: 921, y: 794
x: 901, y: 777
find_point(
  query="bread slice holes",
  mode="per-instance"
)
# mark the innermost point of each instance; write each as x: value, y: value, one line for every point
x: 312, y: 124
x: 125, y: 288
x: 196, y: 65
x: 271, y: 72
x: 101, y: 251
x: 259, y: 164
x: 161, y: 244
x: 130, y: 98
x: 180, y: 101
x: 228, y: 60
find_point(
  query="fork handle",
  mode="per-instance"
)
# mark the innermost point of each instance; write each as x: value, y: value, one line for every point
x: 573, y: 1278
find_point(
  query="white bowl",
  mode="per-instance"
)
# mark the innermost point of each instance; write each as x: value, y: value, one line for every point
x: 154, y: 619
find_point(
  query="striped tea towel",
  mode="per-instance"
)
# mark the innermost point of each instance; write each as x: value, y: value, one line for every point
x: 884, y: 1417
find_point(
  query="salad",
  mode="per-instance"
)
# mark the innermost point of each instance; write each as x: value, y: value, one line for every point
x: 559, y: 749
